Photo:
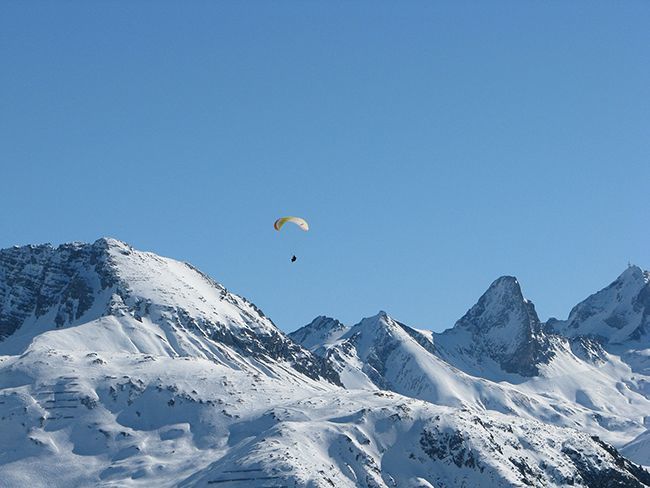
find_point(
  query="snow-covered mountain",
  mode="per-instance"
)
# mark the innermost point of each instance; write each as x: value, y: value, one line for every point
x: 123, y: 368
x: 500, y: 357
x: 616, y: 314
x: 319, y: 333
x: 132, y: 301
x: 503, y: 329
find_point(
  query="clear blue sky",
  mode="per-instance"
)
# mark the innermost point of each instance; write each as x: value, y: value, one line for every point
x: 433, y: 146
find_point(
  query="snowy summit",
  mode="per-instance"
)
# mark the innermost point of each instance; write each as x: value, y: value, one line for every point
x: 122, y: 368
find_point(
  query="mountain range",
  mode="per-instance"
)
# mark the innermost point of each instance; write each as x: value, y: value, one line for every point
x: 123, y: 368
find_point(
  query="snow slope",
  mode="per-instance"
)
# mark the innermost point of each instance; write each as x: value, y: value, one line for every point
x: 319, y: 333
x: 595, y: 395
x: 123, y: 368
x: 616, y: 314
x: 187, y: 421
x: 500, y: 357
x: 108, y: 296
x: 639, y: 448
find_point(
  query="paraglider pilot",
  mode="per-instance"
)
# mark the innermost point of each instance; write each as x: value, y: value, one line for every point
x: 302, y: 223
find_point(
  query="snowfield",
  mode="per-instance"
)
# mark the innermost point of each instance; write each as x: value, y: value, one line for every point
x: 123, y: 368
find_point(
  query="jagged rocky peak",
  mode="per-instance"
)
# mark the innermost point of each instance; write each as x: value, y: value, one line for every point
x: 37, y: 281
x: 619, y: 312
x: 634, y: 273
x: 503, y: 326
x: 319, y: 332
x: 502, y: 306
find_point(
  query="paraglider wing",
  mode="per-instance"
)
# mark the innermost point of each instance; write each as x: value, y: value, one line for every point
x: 302, y: 223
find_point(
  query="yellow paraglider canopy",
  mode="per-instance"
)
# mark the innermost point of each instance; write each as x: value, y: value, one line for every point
x: 302, y: 223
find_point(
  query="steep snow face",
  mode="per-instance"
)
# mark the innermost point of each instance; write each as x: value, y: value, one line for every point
x: 616, y: 314
x: 108, y: 296
x: 502, y: 329
x: 380, y: 352
x: 639, y: 449
x: 319, y: 333
x: 384, y: 346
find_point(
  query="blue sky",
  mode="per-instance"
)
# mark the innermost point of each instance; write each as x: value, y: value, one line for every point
x: 433, y: 146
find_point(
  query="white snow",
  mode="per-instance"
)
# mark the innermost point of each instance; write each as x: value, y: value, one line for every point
x: 167, y: 379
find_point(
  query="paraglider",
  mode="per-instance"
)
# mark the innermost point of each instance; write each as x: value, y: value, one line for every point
x: 300, y: 222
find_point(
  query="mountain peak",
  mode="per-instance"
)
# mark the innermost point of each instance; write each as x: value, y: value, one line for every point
x: 505, y: 287
x: 502, y: 304
x: 504, y: 326
x: 507, y: 280
x: 615, y: 314
x: 381, y: 320
x: 319, y: 333
x: 111, y: 242
x: 138, y: 362
x: 380, y: 316
x: 156, y: 305
x: 322, y: 322
x: 634, y: 273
